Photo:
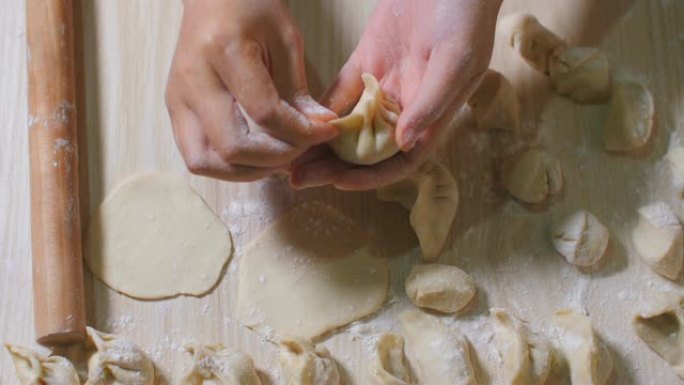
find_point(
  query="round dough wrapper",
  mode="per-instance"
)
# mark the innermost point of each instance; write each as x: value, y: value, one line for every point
x: 154, y: 237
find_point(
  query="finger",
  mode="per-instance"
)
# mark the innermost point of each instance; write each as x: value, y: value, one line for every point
x: 345, y: 89
x: 318, y: 167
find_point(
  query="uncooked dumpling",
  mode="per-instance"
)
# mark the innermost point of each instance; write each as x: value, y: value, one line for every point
x: 216, y: 365
x: 630, y: 117
x: 581, y: 238
x: 302, y: 364
x: 432, y: 196
x: 659, y: 240
x: 530, y: 39
x: 391, y: 367
x: 444, y: 288
x: 117, y: 361
x: 662, y: 331
x: 311, y: 271
x: 440, y: 355
x: 581, y: 73
x: 35, y: 369
x: 494, y: 104
x: 367, y: 133
x: 533, y: 177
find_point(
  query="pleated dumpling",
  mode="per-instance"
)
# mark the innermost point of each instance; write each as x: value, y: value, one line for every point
x: 367, y: 133
x: 303, y: 363
x: 216, y: 365
x: 117, y: 361
x: 34, y: 369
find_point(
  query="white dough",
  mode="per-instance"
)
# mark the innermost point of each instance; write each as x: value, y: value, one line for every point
x: 304, y: 364
x: 530, y: 39
x: 494, y: 103
x: 662, y: 331
x: 444, y: 288
x: 659, y: 240
x: 391, y: 367
x: 581, y: 73
x: 630, y: 117
x: 533, y: 177
x: 675, y: 159
x: 154, y: 237
x: 35, y: 369
x: 216, y: 365
x: 311, y: 271
x: 117, y: 361
x: 581, y: 238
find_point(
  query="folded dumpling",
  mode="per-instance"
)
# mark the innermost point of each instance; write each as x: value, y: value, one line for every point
x: 34, y: 369
x: 304, y: 364
x: 391, y: 367
x: 117, y: 361
x: 367, y: 133
x: 216, y: 365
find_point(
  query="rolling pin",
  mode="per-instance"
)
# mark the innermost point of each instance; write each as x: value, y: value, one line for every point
x: 58, y: 293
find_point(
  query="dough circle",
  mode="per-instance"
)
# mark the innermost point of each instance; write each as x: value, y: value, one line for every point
x: 154, y: 237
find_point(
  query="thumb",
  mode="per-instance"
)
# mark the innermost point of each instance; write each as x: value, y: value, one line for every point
x: 346, y: 88
x: 313, y: 110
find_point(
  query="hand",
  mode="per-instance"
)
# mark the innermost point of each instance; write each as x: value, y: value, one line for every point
x: 237, y: 92
x: 429, y: 55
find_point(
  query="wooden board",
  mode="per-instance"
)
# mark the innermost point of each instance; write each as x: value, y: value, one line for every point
x: 128, y: 46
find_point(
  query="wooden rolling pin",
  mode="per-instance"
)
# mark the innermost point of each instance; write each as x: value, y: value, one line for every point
x: 58, y: 294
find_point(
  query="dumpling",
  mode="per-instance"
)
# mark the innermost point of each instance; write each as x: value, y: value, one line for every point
x: 581, y: 238
x: 432, y: 196
x: 662, y: 331
x: 216, y: 365
x: 630, y: 117
x: 581, y: 73
x: 35, y: 369
x: 444, y: 288
x: 533, y: 177
x: 117, y: 361
x: 391, y: 367
x: 675, y: 159
x: 494, y: 103
x: 302, y: 364
x: 367, y: 134
x: 530, y: 39
x: 659, y: 239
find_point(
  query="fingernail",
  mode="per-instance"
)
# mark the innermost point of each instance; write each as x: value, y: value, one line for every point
x: 409, y: 141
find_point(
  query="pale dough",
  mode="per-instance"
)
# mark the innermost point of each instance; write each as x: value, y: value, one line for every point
x: 581, y: 73
x: 216, y: 365
x: 659, y: 240
x: 533, y: 177
x: 494, y: 103
x: 662, y: 331
x: 311, y: 271
x: 530, y: 39
x: 581, y: 238
x: 304, y: 364
x: 35, y: 369
x: 444, y: 288
x: 630, y: 117
x: 391, y: 367
x: 154, y: 237
x: 117, y: 361
x: 675, y: 159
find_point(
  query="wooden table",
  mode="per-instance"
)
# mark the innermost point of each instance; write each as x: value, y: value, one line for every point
x: 128, y: 47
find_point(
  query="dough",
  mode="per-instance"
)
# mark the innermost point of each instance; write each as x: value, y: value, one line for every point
x: 391, y: 367
x: 533, y: 177
x: 432, y: 196
x: 530, y: 39
x: 630, y: 117
x: 581, y: 239
x: 154, y: 237
x: 440, y: 355
x: 302, y: 364
x: 444, y: 288
x: 367, y: 133
x: 588, y: 357
x: 216, y: 365
x: 658, y: 239
x: 494, y: 104
x: 310, y: 272
x: 34, y: 369
x: 662, y: 331
x: 676, y: 161
x: 581, y: 73
x: 117, y: 362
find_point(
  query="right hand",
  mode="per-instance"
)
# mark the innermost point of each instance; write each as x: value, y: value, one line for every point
x: 237, y: 93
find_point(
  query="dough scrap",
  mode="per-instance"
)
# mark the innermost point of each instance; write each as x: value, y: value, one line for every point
x: 444, y: 288
x: 658, y: 239
x: 630, y: 117
x: 495, y: 104
x: 391, y: 367
x: 303, y: 364
x: 580, y: 73
x: 581, y: 238
x: 216, y: 365
x: 530, y: 39
x: 154, y: 237
x: 431, y: 194
x: 662, y: 332
x: 35, y: 369
x: 117, y: 361
x: 440, y: 355
x: 534, y: 176
x: 588, y: 357
x: 310, y: 272
x: 367, y: 133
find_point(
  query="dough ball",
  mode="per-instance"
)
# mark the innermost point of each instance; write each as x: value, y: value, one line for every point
x: 311, y: 271
x: 581, y: 239
x: 444, y: 288
x: 117, y: 361
x: 494, y: 104
x: 35, y: 369
x: 216, y: 365
x: 581, y: 73
x: 533, y: 177
x: 154, y: 237
x: 302, y: 364
x: 391, y: 367
x: 630, y: 117
x: 530, y: 39
x: 432, y: 196
x: 367, y: 133
x: 662, y: 331
x: 658, y: 239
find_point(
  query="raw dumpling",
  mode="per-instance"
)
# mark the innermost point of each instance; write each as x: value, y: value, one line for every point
x: 117, y: 361
x: 494, y: 104
x: 444, y: 288
x: 432, y: 196
x: 588, y: 357
x: 34, y: 369
x: 580, y: 73
x: 630, y: 117
x: 367, y: 133
x: 216, y: 365
x: 302, y: 364
x: 658, y: 239
x: 440, y: 355
x: 533, y: 177
x: 391, y: 367
x: 530, y: 39
x: 581, y: 239
x: 662, y: 331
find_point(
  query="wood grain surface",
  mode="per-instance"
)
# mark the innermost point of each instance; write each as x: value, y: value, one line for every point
x: 128, y: 47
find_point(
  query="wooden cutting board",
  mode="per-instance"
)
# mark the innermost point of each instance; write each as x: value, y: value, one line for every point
x: 128, y: 47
